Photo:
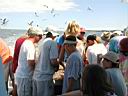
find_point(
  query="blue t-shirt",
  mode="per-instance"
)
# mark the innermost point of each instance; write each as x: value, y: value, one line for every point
x: 117, y: 80
x: 60, y: 40
x: 74, y: 68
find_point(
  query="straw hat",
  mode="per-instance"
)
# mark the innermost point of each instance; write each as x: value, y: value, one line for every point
x: 112, y: 56
x: 106, y: 36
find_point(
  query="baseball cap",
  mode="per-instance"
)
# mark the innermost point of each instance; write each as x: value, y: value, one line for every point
x: 35, y: 31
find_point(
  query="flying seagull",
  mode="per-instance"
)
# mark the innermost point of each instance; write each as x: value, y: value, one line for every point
x: 66, y: 22
x: 55, y: 15
x: 4, y: 21
x: 90, y: 9
x: 36, y: 14
x: 30, y: 23
x: 52, y: 11
x: 45, y: 6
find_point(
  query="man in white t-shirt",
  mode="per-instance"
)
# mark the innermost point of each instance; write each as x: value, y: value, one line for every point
x: 94, y: 50
x: 26, y: 62
x: 45, y: 68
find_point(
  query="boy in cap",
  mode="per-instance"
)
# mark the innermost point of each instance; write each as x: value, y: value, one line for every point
x: 111, y: 64
x: 26, y: 62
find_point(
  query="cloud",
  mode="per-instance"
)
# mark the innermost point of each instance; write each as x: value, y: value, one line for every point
x: 35, y: 5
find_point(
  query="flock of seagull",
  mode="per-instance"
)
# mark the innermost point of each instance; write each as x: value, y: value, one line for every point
x: 4, y: 21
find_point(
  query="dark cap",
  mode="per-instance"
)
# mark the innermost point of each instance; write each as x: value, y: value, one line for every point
x: 91, y: 37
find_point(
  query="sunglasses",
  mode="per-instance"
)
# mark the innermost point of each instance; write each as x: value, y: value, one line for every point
x: 82, y: 32
x: 40, y: 36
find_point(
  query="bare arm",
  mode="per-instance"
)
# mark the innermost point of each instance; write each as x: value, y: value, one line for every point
x: 61, y: 56
x: 55, y: 63
x: 31, y: 63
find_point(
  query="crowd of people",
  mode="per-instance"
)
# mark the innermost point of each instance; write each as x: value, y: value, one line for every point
x: 92, y: 66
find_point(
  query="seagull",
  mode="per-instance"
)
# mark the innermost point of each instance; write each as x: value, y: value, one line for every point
x: 52, y: 11
x: 90, y: 9
x: 36, y: 14
x: 55, y: 15
x: 45, y: 6
x: 4, y: 21
x: 30, y: 23
x: 66, y: 22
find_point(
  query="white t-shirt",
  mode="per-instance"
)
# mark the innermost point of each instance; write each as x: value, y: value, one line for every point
x: 47, y: 50
x: 93, y: 51
x: 27, y: 52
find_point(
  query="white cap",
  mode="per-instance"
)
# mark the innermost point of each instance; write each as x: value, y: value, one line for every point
x: 35, y: 31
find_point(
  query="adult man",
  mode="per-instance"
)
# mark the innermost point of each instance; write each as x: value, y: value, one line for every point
x: 45, y: 67
x: 94, y: 50
x: 17, y: 47
x: 26, y: 62
x: 74, y: 66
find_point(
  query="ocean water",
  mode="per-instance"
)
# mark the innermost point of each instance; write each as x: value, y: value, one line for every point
x: 10, y: 35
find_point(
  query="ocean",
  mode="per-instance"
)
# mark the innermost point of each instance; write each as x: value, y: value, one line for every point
x: 10, y: 35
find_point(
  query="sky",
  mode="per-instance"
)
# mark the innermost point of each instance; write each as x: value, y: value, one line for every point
x: 90, y: 14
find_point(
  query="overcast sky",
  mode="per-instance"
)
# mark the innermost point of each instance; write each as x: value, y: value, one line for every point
x: 91, y: 14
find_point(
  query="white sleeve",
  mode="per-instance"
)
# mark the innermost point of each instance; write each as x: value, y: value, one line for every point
x: 31, y: 52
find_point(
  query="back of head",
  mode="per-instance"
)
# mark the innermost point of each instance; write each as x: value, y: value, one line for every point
x: 91, y: 38
x: 95, y: 81
x: 73, y: 28
x: 49, y: 34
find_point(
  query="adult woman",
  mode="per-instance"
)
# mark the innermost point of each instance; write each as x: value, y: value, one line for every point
x: 95, y: 82
x: 111, y: 64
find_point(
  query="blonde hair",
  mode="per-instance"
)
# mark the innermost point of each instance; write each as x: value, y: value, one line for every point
x: 73, y: 28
